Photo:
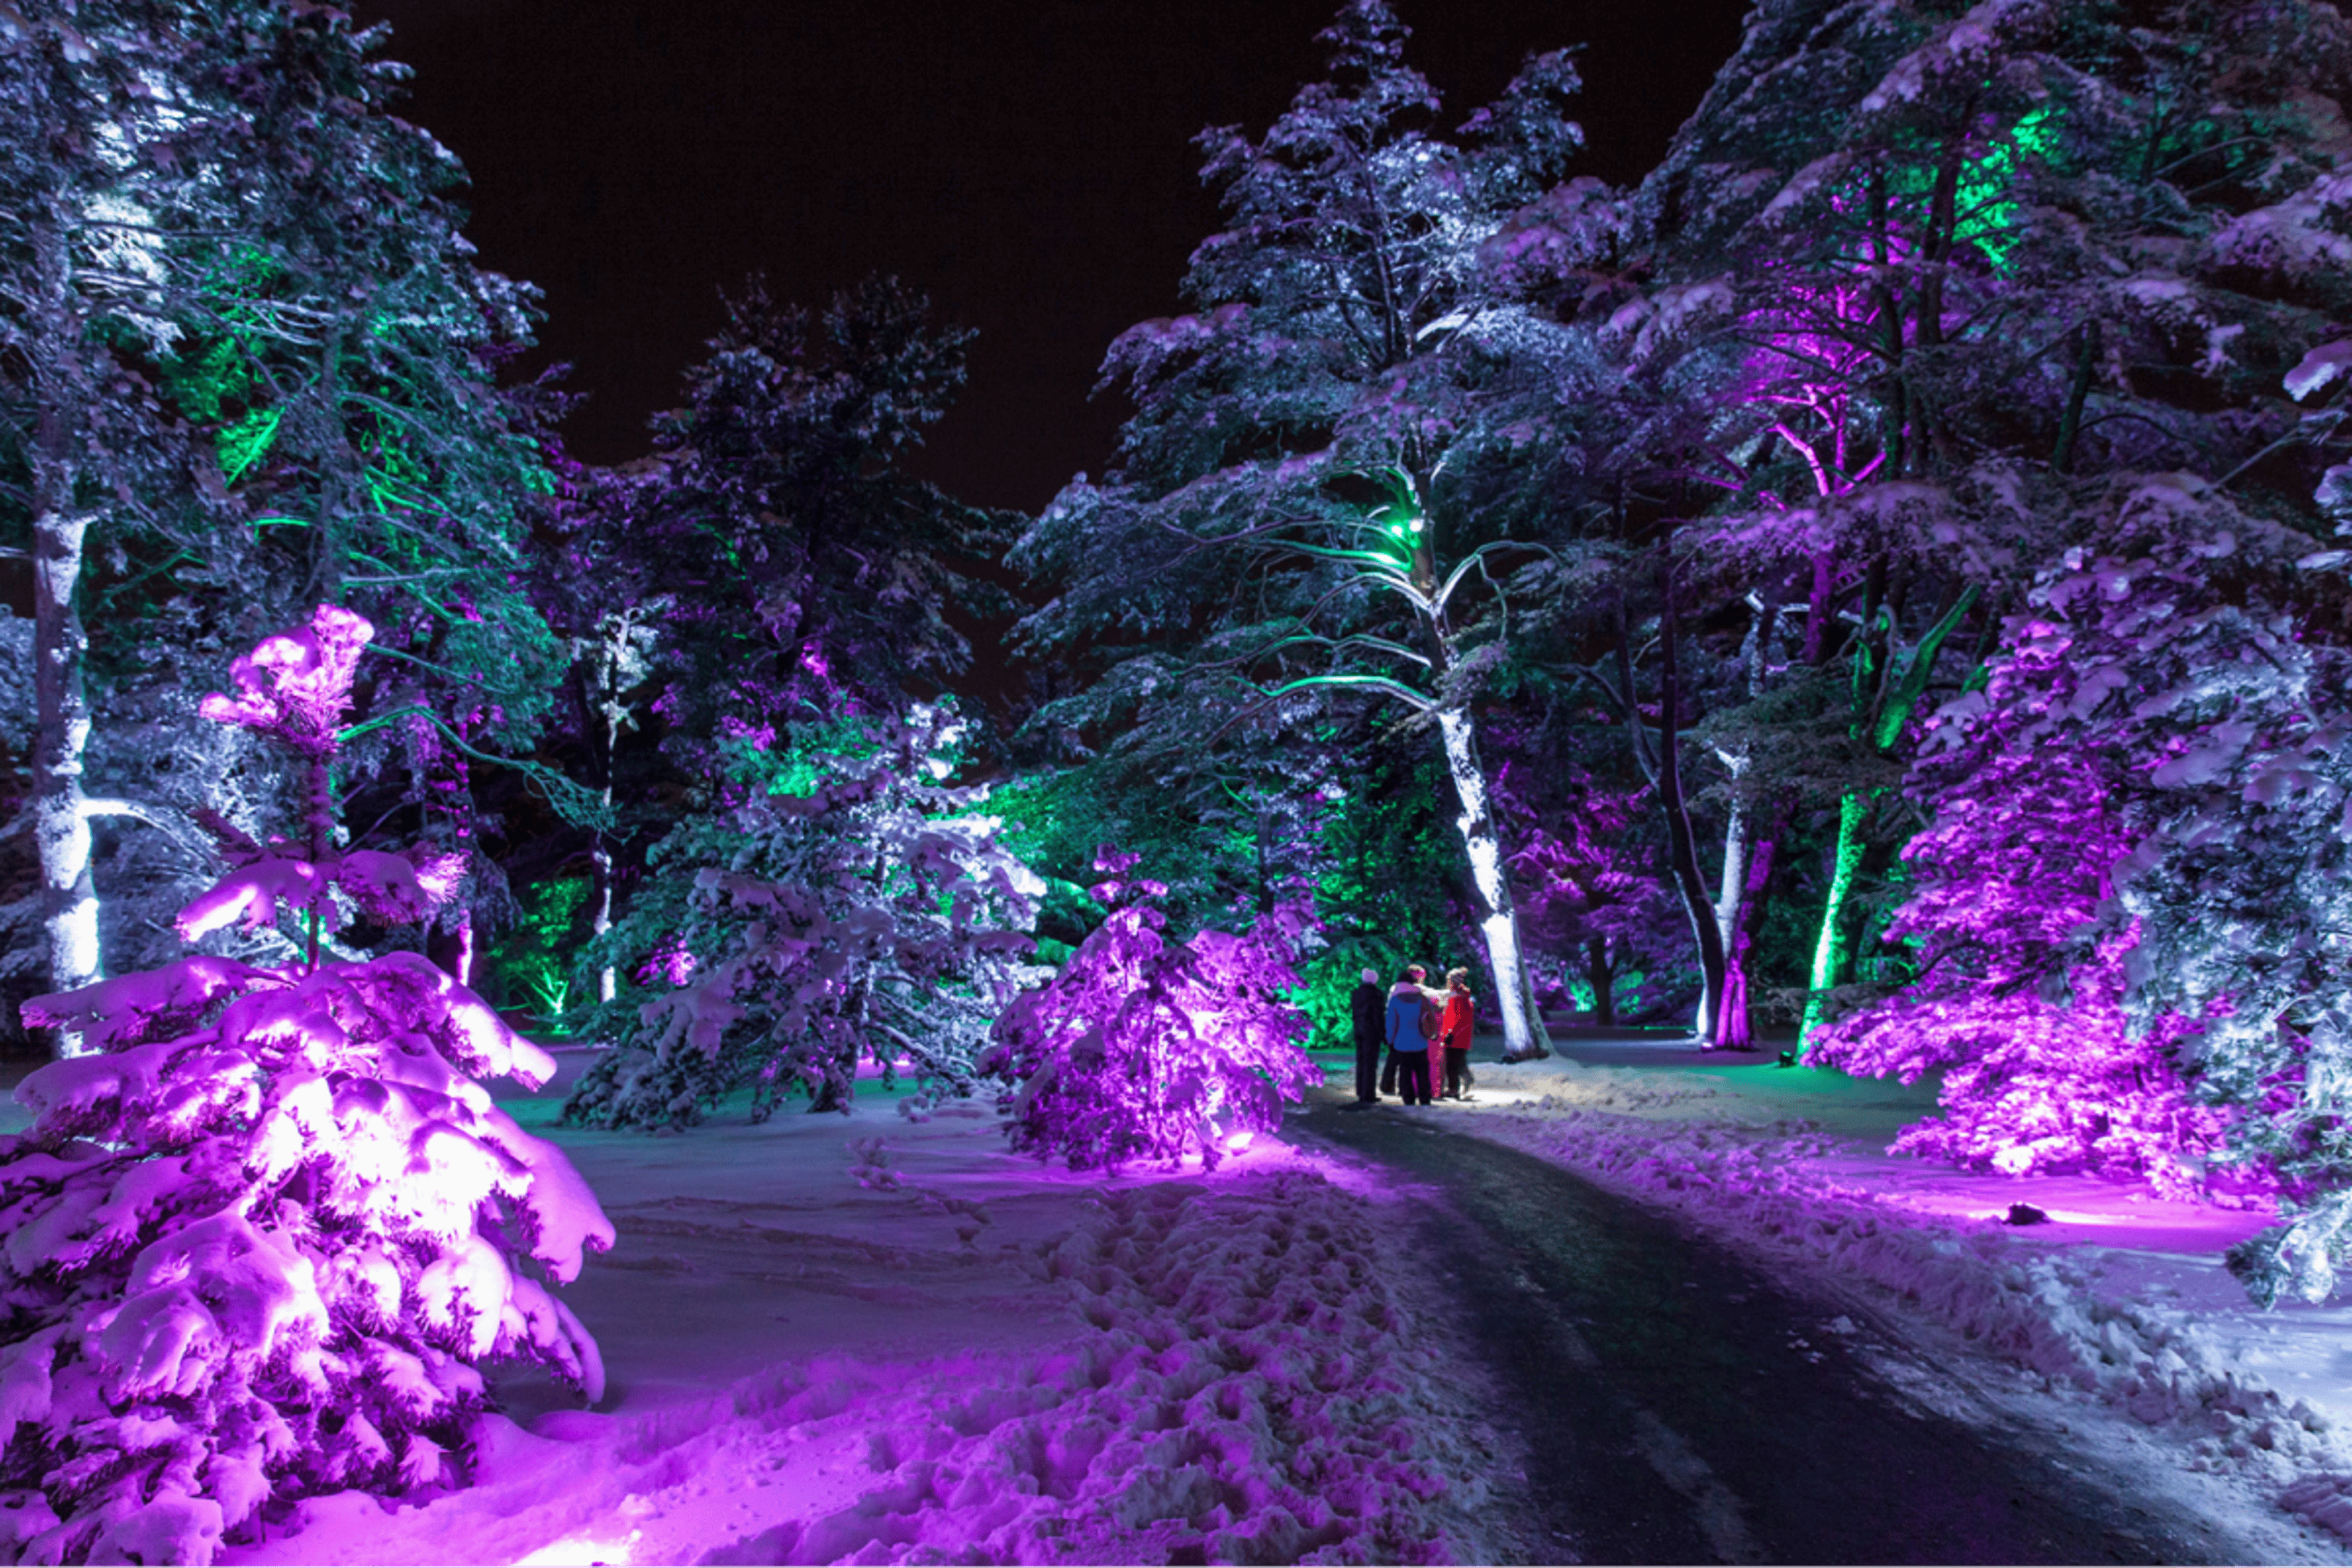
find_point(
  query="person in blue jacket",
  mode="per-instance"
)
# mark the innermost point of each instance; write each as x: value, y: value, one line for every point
x: 1411, y: 1025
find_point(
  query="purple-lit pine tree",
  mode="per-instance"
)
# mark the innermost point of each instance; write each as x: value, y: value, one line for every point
x: 257, y: 1242
x: 1148, y: 1048
x: 2131, y: 905
x: 2020, y: 998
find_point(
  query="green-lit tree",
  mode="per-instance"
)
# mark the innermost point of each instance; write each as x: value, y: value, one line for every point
x: 1312, y: 495
x: 253, y: 362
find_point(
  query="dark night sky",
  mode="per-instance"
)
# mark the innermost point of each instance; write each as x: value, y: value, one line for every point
x: 1028, y: 165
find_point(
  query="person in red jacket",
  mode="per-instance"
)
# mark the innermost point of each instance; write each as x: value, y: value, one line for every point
x: 1454, y: 1031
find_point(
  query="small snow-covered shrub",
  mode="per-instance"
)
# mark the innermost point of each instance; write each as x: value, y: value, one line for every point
x: 848, y: 904
x: 256, y: 1242
x: 1147, y: 1047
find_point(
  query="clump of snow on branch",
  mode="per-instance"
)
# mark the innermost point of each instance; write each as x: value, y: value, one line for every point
x: 849, y: 905
x: 255, y: 1245
x: 1145, y: 1047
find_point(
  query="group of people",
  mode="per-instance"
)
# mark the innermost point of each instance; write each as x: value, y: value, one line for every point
x: 1425, y: 1031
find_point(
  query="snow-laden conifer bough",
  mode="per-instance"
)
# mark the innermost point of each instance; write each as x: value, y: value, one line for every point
x: 259, y: 1236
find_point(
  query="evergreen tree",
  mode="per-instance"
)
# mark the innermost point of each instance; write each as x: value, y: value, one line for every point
x: 257, y: 1244
x: 257, y: 368
x: 1311, y: 494
x: 804, y: 571
x: 2036, y: 787
x: 847, y: 905
x: 1148, y: 1048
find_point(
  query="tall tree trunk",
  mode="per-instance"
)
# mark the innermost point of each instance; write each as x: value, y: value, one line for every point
x: 1498, y: 923
x: 1880, y: 713
x: 600, y: 857
x: 1831, y: 949
x: 60, y: 815
x: 1729, y: 1027
x: 2070, y: 420
x: 1734, y: 1029
x: 1602, y: 975
x: 1682, y: 847
x: 1737, y: 1030
x: 1490, y: 877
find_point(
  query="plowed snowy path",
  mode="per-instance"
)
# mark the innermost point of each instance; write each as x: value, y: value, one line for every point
x: 1681, y: 1406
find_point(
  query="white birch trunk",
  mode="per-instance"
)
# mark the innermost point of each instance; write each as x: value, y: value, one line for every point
x: 608, y: 980
x: 1523, y: 1030
x: 608, y: 983
x: 1729, y: 895
x: 1735, y: 874
x: 60, y: 813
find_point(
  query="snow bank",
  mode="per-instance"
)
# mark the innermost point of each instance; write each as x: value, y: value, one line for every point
x: 2080, y: 1303
x: 1028, y: 1367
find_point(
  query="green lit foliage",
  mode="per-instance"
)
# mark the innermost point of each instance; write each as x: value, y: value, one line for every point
x: 788, y: 934
x: 1985, y: 195
x: 345, y: 353
x: 247, y: 441
x: 531, y: 968
x: 1228, y: 831
x: 808, y: 756
x: 1386, y: 886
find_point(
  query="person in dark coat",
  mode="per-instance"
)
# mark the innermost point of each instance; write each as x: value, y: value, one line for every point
x: 1365, y: 1005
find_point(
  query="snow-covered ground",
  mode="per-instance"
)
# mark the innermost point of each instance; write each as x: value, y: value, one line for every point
x: 2115, y: 1315
x: 870, y: 1340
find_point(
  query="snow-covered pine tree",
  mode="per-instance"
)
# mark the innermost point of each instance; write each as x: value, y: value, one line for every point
x: 1145, y: 1047
x: 848, y: 904
x: 257, y: 1242
x: 2032, y: 786
x: 2241, y: 885
x: 2131, y: 902
x: 802, y: 565
x: 1314, y: 495
x: 253, y: 366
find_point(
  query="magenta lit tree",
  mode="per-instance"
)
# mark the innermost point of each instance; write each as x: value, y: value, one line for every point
x: 262, y: 1234
x: 1146, y: 1047
x: 2125, y: 910
x: 1595, y: 901
x: 2020, y: 999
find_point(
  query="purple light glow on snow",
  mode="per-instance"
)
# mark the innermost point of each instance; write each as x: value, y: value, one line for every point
x: 276, y: 1203
x: 1146, y: 1048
